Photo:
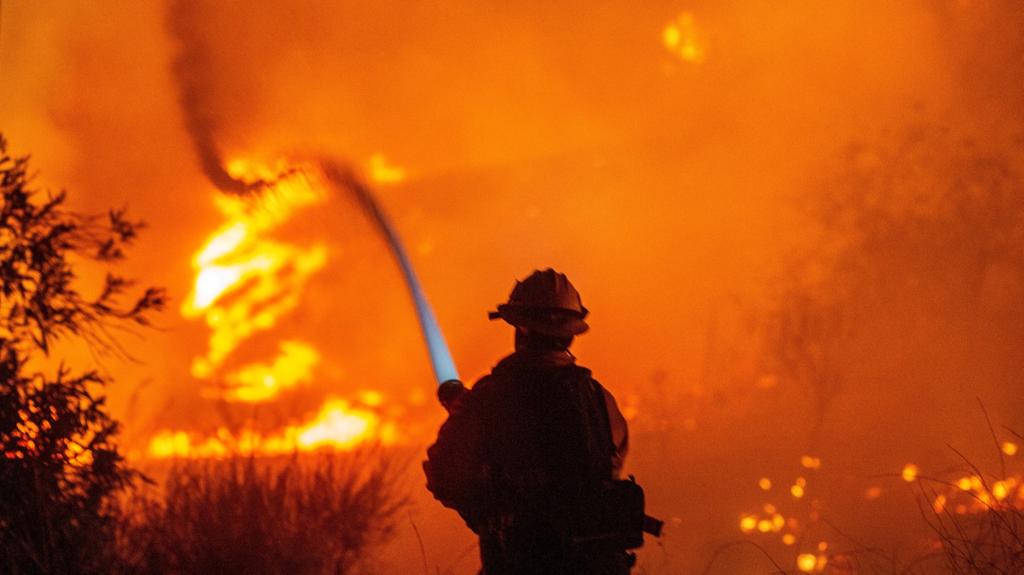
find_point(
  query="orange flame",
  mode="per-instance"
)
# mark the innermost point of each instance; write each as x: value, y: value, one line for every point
x: 246, y: 281
x: 258, y: 382
x: 337, y: 425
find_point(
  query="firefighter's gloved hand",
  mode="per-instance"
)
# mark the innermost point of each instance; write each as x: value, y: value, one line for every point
x: 449, y: 392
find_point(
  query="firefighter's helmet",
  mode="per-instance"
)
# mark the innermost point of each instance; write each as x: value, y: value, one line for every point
x: 546, y: 303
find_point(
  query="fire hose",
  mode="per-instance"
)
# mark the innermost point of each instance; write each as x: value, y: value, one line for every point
x: 450, y: 387
x: 449, y: 384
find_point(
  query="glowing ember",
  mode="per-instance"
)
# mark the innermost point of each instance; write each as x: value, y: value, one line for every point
x: 810, y: 462
x: 748, y: 523
x: 971, y: 494
x: 681, y: 38
x: 909, y: 472
x: 806, y: 562
x: 789, y: 521
x: 1000, y: 490
x: 382, y: 172
x: 810, y: 563
x: 799, y: 488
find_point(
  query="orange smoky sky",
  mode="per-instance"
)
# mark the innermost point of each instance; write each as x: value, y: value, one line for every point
x: 659, y: 153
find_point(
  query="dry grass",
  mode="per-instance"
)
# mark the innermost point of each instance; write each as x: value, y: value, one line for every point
x: 989, y: 541
x: 309, y: 514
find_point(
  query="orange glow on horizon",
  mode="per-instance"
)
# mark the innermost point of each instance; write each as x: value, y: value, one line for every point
x: 337, y: 426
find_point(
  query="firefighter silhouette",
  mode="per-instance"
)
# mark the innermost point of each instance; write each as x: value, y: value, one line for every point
x: 530, y: 457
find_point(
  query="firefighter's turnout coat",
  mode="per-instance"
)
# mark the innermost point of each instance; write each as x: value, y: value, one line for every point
x: 520, y: 458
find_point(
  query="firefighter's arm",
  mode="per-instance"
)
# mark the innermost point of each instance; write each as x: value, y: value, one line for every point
x: 620, y: 432
x: 455, y: 469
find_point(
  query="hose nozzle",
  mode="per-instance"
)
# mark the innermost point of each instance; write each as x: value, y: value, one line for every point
x: 449, y: 392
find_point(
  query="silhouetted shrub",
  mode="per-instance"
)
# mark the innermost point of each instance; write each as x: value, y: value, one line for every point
x: 59, y: 465
x: 305, y: 514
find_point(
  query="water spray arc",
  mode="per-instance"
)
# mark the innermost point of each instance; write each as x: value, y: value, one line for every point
x: 449, y: 385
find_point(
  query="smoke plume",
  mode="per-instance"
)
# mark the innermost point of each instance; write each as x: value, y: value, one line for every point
x: 195, y: 80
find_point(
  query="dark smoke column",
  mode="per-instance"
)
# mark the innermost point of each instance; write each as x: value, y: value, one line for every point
x: 193, y: 76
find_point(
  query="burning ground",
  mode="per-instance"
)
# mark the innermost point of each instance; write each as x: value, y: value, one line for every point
x: 797, y: 225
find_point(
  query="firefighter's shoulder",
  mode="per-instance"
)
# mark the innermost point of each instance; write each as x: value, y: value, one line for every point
x: 481, y: 396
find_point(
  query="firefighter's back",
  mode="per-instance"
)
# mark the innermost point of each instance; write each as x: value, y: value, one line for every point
x: 548, y: 449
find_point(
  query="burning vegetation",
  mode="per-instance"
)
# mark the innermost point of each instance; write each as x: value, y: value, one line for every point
x: 245, y: 282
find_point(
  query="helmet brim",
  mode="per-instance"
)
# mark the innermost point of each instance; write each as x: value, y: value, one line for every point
x: 553, y: 324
